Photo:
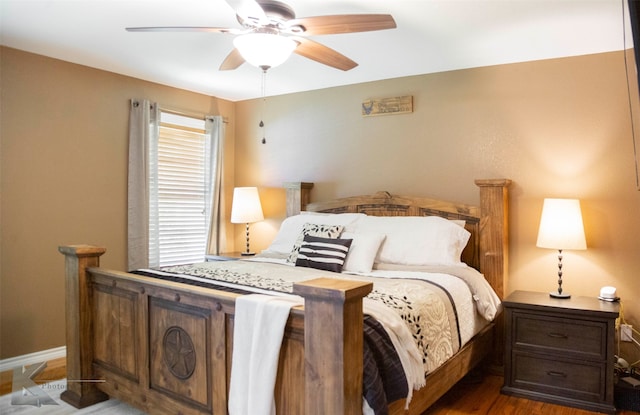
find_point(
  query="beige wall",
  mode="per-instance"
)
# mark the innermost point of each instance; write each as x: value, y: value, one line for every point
x: 557, y: 128
x: 64, y: 132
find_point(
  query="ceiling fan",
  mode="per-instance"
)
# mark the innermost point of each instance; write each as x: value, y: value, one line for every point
x: 270, y: 32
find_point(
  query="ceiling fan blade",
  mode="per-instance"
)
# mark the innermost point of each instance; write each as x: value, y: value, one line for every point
x: 322, y: 54
x: 342, y: 23
x: 233, y: 60
x: 249, y: 10
x: 187, y: 29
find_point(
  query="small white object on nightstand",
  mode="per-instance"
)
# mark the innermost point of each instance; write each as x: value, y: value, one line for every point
x: 608, y: 293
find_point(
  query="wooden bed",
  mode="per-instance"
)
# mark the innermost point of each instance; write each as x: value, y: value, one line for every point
x: 120, y: 325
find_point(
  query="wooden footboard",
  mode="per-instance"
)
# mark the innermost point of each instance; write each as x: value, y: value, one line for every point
x: 166, y: 347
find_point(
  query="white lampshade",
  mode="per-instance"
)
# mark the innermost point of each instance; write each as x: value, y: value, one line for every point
x: 264, y: 50
x: 246, y: 206
x: 561, y: 225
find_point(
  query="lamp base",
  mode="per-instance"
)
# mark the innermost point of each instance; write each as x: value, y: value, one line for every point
x: 247, y: 253
x: 556, y: 294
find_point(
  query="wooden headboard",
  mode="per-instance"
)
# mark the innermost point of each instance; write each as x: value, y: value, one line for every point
x: 487, y: 250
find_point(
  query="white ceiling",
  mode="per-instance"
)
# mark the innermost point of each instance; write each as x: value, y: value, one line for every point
x: 432, y: 36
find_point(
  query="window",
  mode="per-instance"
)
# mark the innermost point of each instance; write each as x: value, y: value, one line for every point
x: 174, y: 187
x: 182, y: 196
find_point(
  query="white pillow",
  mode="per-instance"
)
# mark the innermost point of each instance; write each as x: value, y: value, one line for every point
x: 417, y: 240
x: 292, y: 226
x: 363, y: 251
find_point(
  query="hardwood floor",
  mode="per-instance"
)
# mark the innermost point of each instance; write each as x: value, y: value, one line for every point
x: 482, y: 396
x: 478, y: 396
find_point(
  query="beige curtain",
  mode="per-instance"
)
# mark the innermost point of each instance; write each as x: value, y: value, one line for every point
x: 144, y: 120
x: 215, y: 130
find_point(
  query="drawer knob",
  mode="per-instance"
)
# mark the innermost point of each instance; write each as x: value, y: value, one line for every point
x: 556, y: 374
x: 558, y: 335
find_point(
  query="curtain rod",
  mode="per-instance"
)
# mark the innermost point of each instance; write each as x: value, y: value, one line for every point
x: 191, y: 114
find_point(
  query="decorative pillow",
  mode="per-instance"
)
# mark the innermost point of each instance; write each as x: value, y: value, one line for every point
x: 291, y: 228
x: 417, y: 240
x: 363, y: 251
x: 314, y: 229
x: 327, y: 254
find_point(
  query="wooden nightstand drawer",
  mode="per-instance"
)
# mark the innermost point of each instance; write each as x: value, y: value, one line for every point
x: 559, y: 335
x: 571, y: 379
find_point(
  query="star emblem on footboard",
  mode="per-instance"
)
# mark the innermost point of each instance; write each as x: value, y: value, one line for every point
x: 179, y: 353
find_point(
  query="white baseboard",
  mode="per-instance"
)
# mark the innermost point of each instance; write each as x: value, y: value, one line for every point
x: 27, y: 359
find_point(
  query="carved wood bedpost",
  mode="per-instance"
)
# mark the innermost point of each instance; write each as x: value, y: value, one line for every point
x: 298, y: 196
x: 80, y: 391
x: 333, y: 346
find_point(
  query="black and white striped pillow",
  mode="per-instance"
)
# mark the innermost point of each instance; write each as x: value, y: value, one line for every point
x: 323, y: 253
x: 314, y: 229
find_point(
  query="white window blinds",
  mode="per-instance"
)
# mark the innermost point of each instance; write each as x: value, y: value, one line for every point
x: 182, y: 195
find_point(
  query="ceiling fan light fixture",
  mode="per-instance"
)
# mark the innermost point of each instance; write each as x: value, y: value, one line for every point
x: 264, y: 50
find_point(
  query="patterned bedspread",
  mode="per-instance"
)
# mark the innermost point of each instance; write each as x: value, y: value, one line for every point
x: 433, y: 306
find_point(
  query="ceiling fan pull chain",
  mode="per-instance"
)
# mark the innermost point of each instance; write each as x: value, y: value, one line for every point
x: 263, y: 92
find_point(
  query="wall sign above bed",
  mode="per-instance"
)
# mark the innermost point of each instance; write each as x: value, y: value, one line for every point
x: 387, y: 106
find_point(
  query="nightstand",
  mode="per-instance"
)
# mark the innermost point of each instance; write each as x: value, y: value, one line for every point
x: 560, y: 350
x: 225, y: 256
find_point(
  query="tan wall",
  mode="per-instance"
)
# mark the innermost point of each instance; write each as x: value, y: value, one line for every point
x: 557, y: 128
x: 64, y: 132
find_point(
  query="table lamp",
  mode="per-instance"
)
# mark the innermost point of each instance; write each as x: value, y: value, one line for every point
x: 246, y: 208
x: 561, y: 228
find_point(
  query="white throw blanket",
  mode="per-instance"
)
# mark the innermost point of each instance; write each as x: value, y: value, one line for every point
x: 257, y: 336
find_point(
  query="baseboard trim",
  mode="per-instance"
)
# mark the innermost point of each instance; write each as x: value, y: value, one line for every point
x: 27, y: 359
